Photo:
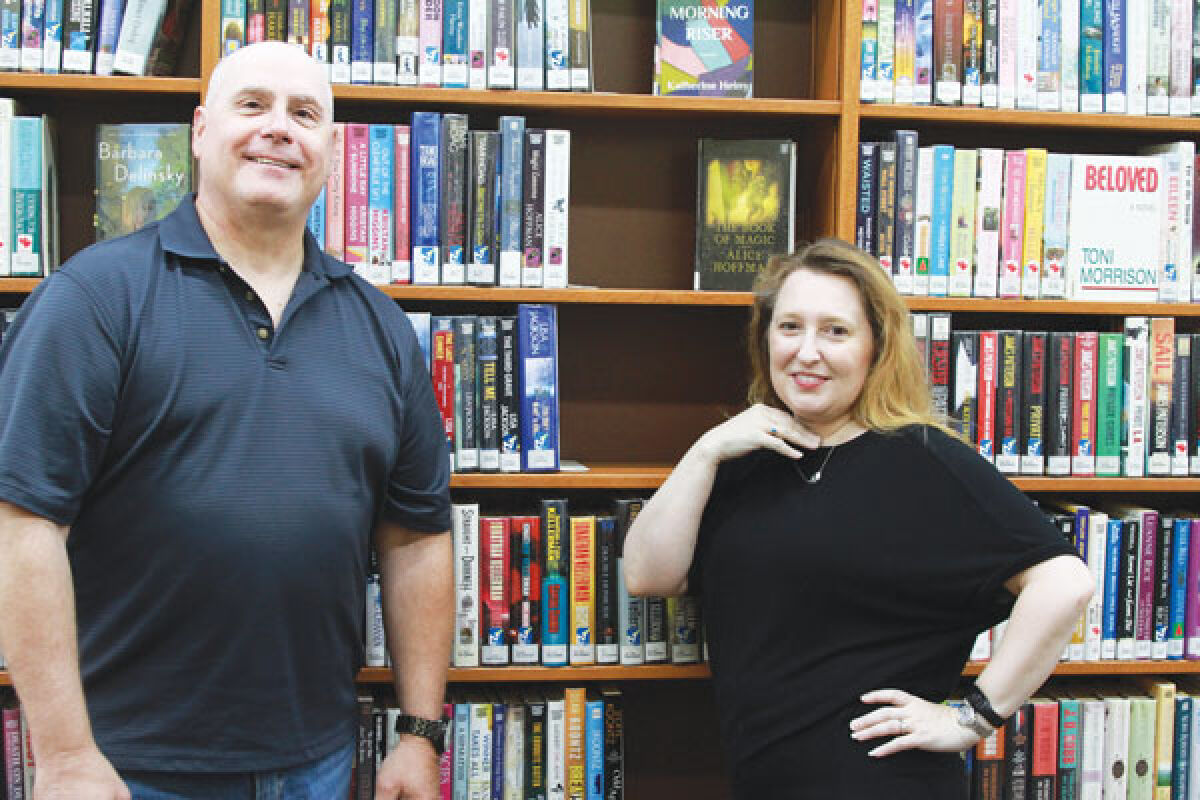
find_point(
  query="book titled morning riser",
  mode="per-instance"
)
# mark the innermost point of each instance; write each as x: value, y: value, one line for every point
x: 745, y: 209
x: 706, y: 48
x: 143, y: 170
x: 1114, y: 262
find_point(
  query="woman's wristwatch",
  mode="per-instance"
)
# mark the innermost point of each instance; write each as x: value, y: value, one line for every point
x: 976, y: 713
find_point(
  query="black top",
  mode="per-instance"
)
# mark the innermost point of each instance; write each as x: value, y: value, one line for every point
x: 221, y: 477
x: 879, y: 575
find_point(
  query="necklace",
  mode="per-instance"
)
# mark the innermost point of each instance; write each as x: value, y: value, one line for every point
x: 816, y: 476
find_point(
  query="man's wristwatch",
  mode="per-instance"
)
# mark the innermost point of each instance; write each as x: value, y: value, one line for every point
x: 435, y: 730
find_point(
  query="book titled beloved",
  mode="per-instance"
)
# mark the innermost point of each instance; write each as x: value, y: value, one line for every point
x: 143, y: 170
x: 706, y: 48
x: 745, y: 209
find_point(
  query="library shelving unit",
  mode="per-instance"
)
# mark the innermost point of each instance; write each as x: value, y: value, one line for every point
x: 647, y: 364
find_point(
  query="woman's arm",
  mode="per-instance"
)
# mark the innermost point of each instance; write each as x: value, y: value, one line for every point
x: 660, y: 543
x: 1050, y: 598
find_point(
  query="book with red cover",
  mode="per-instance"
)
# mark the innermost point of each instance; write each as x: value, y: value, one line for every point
x: 493, y: 588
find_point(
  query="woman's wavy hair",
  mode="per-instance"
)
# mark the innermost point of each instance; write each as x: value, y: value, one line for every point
x: 896, y: 393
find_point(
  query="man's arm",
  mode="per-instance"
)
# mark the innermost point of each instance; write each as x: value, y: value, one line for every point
x: 37, y: 632
x: 417, y: 585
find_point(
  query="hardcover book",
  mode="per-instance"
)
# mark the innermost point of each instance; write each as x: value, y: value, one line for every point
x: 745, y: 209
x: 706, y: 48
x: 143, y: 170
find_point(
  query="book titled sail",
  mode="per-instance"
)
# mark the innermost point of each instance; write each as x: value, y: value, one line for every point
x: 706, y: 48
x: 143, y: 170
x: 745, y: 209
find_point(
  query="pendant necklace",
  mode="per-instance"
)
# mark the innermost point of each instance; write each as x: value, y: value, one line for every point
x: 816, y: 476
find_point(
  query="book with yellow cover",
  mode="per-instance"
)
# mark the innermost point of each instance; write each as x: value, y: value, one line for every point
x: 583, y: 590
x: 1035, y: 211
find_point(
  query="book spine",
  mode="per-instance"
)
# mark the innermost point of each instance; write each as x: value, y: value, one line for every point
x: 376, y: 646
x: 138, y: 26
x: 482, y: 149
x: 452, y: 200
x: 465, y: 527
x: 531, y: 38
x: 479, y: 771
x: 1033, y: 403
x: 362, y: 41
x: 986, y: 396
x: 1049, y: 97
x: 401, y: 271
x: 108, y: 29
x: 923, y: 65
x: 1112, y: 597
x: 631, y: 609
x: 1059, y: 403
x: 501, y: 70
x: 1161, y: 617
x: 1181, y: 403
x: 10, y: 35
x: 575, y: 751
x: 558, y: 45
x: 885, y: 206
x: 426, y: 192
x: 556, y: 603
x: 512, y: 148
x: 656, y: 630
x: 339, y: 41
x: 906, y: 50
x: 1043, y: 763
x: 939, y: 362
x: 1008, y: 397
x: 962, y: 236
x: 274, y: 20
x: 488, y: 386
x: 535, y: 745
x: 537, y: 349
x: 1177, y: 607
x: 510, y: 421
x: 885, y: 52
x: 580, y: 21
x: 1017, y: 736
x: 583, y: 590
x: 556, y: 216
x: 904, y: 245
x: 52, y: 37
x: 318, y: 31
x: 1068, y: 748
x: 454, y: 44
x: 947, y: 52
x: 526, y: 612
x: 357, y: 194
x: 408, y: 42
x: 1136, y: 401
x: 1069, y: 58
x: 1114, y: 56
x: 1108, y: 405
x: 1029, y: 19
x: 27, y: 223
x: 1091, y: 56
x: 429, y: 32
x: 1192, y: 610
x: 1006, y: 36
x: 1161, y: 368
x: 443, y: 377
x: 466, y: 409
x: 533, y: 207
x: 683, y: 621
x: 556, y: 748
x: 377, y: 268
x: 383, y: 42
x: 605, y: 628
x: 316, y: 219
x: 614, y: 745
x: 868, y: 180
x: 1143, y: 645
x: 33, y: 22
x: 964, y: 354
x: 8, y: 109
x: 1181, y: 766
x: 14, y: 768
x: 297, y: 24
x: 494, y: 560
x: 923, y: 224
x: 1083, y: 428
x: 477, y: 43
x: 1128, y: 588
x: 1054, y: 237
x: 1035, y: 210
x: 869, y: 51
x: 972, y: 74
x: 1012, y: 224
x: 943, y: 188
x: 1141, y: 747
x: 1138, y: 55
x: 987, y: 221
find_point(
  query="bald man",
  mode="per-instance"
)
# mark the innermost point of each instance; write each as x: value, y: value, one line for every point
x: 204, y: 427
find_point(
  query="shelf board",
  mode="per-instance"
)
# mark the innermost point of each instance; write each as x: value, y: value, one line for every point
x: 539, y: 674
x: 574, y: 294
x: 18, y: 285
x: 1067, y: 307
x: 598, y: 476
x: 101, y: 84
x: 1109, y: 668
x: 939, y: 115
x: 1085, y: 484
x: 587, y: 102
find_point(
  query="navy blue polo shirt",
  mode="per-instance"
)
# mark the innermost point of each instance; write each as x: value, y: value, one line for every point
x: 221, y: 478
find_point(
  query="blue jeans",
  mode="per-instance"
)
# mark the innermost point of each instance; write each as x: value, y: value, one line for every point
x: 327, y: 778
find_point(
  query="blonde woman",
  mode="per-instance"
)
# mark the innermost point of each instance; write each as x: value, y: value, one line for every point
x: 847, y: 549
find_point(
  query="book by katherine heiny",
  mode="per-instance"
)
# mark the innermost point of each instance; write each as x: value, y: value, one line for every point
x: 143, y: 170
x: 706, y: 48
x: 745, y: 209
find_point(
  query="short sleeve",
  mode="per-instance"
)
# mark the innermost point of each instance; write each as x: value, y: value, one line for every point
x: 60, y: 374
x: 716, y: 510
x: 991, y: 531
x: 418, y: 494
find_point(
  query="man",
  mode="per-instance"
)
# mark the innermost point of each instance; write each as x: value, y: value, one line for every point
x: 201, y: 426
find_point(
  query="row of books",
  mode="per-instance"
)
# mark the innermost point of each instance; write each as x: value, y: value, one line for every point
x: 495, y: 379
x: 1071, y: 403
x: 548, y: 588
x: 138, y: 37
x: 987, y: 222
x: 28, y: 193
x: 1112, y: 56
x: 704, y: 49
x: 432, y: 202
x: 477, y: 44
x: 541, y: 744
x: 1136, y: 741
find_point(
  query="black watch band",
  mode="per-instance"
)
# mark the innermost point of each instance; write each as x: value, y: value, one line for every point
x: 983, y: 707
x: 434, y: 730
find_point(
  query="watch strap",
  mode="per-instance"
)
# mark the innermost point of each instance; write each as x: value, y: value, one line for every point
x: 432, y: 729
x: 982, y: 706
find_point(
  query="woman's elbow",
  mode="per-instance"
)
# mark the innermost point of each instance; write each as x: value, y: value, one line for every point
x: 1078, y: 585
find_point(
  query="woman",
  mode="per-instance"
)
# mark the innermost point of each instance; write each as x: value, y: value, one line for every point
x: 847, y: 550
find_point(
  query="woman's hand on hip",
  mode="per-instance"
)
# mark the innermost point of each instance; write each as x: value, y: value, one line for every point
x: 910, y: 723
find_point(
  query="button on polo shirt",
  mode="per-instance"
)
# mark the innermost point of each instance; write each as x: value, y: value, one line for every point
x: 220, y: 504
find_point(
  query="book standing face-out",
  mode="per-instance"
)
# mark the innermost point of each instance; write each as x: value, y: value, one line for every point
x: 143, y: 171
x: 705, y: 48
x: 745, y: 209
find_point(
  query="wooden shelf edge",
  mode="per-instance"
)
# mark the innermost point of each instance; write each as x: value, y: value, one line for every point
x: 1086, y: 484
x: 1108, y: 668
x: 99, y: 83
x: 586, y: 101
x: 1065, y: 307
x: 1043, y: 119
x: 598, y: 476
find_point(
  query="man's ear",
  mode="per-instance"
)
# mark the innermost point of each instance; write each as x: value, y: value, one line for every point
x: 199, y: 124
